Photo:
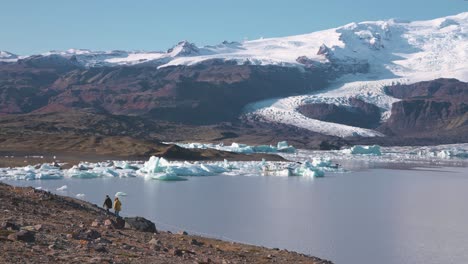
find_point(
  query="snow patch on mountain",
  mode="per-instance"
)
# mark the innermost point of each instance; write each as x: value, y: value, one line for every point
x: 6, y: 56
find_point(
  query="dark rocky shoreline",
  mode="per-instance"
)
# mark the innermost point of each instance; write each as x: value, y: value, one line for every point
x: 41, y: 227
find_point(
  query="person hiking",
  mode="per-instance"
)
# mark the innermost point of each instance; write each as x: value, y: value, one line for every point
x: 117, y: 206
x: 107, y: 203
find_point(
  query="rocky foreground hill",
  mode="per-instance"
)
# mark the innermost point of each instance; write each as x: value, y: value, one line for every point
x: 40, y: 227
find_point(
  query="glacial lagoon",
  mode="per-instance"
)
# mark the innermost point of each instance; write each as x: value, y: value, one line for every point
x: 375, y: 210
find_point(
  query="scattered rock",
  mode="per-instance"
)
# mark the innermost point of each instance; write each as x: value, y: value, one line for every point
x: 183, y: 233
x: 109, y: 222
x: 100, y: 248
x: 87, y: 235
x: 126, y: 247
x: 176, y: 252
x: 119, y: 223
x: 103, y: 240
x: 52, y: 246
x: 196, y: 242
x: 140, y: 224
x: 9, y: 226
x: 23, y: 235
x: 28, y: 228
x: 154, y: 241
x: 95, y: 223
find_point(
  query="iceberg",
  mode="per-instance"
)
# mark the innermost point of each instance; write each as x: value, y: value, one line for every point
x: 154, y: 165
x: 166, y: 177
x: 120, y: 194
x: 363, y: 150
x: 63, y: 188
x: 284, y: 147
x: 309, y: 170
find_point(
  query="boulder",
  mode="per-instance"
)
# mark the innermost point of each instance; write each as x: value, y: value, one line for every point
x: 140, y: 224
x: 87, y: 235
x: 9, y: 226
x: 23, y: 235
x: 119, y: 223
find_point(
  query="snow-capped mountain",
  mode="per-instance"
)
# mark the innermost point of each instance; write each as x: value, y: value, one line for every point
x: 360, y: 60
x: 392, y: 47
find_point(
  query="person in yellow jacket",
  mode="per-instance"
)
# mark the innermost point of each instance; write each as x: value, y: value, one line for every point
x: 117, y: 206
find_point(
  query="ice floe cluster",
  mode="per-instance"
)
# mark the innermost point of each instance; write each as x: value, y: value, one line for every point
x: 157, y: 168
x: 281, y: 147
x: 441, y: 155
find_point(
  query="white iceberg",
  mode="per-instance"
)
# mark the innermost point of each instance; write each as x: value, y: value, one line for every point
x: 308, y: 170
x: 284, y: 147
x: 363, y: 150
x: 63, y: 188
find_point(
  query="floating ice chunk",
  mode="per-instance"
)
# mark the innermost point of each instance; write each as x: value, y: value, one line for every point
x: 283, y: 146
x: 81, y: 195
x: 240, y: 148
x: 308, y: 170
x: 120, y: 194
x: 313, y: 172
x: 63, y: 188
x: 322, y: 162
x: 82, y: 174
x: 166, y: 177
x: 229, y: 166
x: 286, y: 172
x: 364, y: 150
x: 265, y: 149
x: 124, y: 165
x: 443, y: 153
x: 154, y: 165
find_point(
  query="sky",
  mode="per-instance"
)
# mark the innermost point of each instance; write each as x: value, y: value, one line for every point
x: 31, y: 27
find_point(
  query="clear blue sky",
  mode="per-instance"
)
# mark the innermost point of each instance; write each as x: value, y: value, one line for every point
x: 36, y: 26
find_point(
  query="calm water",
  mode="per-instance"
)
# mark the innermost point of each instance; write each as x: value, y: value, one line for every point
x: 369, y: 216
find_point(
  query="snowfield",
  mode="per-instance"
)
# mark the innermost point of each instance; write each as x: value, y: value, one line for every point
x: 397, y: 51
